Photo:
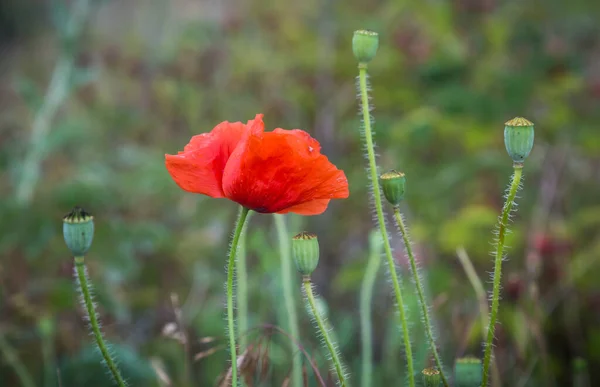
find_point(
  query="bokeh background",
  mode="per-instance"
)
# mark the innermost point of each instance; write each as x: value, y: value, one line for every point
x: 94, y: 93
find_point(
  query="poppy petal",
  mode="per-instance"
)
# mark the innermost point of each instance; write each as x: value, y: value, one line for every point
x: 313, y: 207
x: 199, y: 168
x: 282, y: 171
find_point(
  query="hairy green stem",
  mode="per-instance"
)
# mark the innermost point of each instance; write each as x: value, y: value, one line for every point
x: 327, y: 339
x: 477, y: 285
x: 230, y: 270
x: 362, y: 74
x: 366, y: 326
x: 514, y: 186
x: 93, y: 319
x: 287, y: 282
x: 420, y: 293
x: 241, y: 276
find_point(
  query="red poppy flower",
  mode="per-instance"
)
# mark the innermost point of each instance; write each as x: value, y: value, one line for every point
x: 280, y: 171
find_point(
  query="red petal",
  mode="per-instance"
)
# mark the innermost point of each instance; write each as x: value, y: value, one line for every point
x: 314, y: 207
x: 282, y: 171
x: 199, y: 168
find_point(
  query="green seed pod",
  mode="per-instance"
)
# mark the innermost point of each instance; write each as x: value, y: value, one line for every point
x: 78, y: 231
x: 364, y: 45
x: 305, y: 249
x: 431, y: 377
x: 394, y: 186
x: 468, y: 372
x: 518, y: 138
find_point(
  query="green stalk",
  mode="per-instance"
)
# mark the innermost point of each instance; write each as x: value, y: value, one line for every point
x: 230, y: 270
x: 362, y: 74
x: 420, y: 293
x: 242, y: 288
x: 288, y: 294
x: 366, y: 326
x: 514, y: 186
x: 327, y: 339
x: 93, y: 319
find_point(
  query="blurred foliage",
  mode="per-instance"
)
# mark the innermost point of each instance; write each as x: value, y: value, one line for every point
x: 149, y: 75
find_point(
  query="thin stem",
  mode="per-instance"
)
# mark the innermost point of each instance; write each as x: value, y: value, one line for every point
x: 230, y: 270
x: 93, y: 319
x: 366, y: 326
x: 242, y: 287
x: 477, y: 285
x: 514, y: 186
x: 324, y: 332
x: 362, y: 74
x: 420, y: 293
x: 287, y: 281
x: 9, y: 353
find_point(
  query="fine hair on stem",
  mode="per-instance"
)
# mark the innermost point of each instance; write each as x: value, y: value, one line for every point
x: 367, y: 134
x: 416, y: 277
x: 498, y: 258
x: 325, y: 332
x: 88, y: 304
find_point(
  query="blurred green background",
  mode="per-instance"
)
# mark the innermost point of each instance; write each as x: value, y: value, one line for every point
x: 94, y: 93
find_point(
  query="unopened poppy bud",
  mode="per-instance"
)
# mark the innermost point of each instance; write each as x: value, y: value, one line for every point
x: 518, y: 138
x: 78, y: 231
x: 468, y: 372
x: 305, y: 249
x: 431, y: 377
x: 364, y: 45
x: 394, y: 185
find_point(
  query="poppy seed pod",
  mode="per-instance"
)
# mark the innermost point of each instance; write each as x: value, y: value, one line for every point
x: 78, y: 231
x: 468, y: 372
x: 518, y: 138
x: 305, y: 249
x: 431, y: 377
x: 393, y: 184
x: 364, y: 45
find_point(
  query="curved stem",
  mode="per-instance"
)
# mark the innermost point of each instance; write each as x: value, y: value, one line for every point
x: 288, y: 294
x: 366, y: 326
x: 93, y: 318
x: 241, y: 275
x: 230, y: 270
x: 324, y: 331
x: 362, y: 75
x: 420, y: 293
x: 514, y: 186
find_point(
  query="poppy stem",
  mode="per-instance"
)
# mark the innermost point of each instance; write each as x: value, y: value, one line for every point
x: 324, y: 330
x: 241, y: 275
x: 368, y: 136
x: 502, y: 226
x: 230, y: 271
x: 81, y: 276
x: 420, y: 292
x: 288, y: 294
x: 366, y: 325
